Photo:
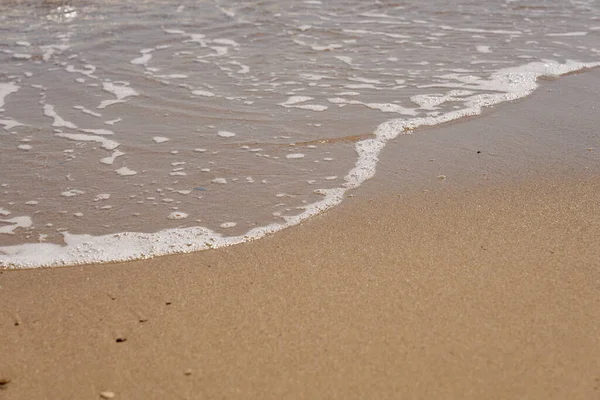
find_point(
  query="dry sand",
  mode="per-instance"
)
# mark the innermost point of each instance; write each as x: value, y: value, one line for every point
x: 481, y: 283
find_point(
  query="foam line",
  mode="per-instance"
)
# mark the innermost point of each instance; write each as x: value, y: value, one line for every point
x: 506, y: 84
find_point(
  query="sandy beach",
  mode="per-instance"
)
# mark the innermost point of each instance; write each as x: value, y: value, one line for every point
x: 468, y: 268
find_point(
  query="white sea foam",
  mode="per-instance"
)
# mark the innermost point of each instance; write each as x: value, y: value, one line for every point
x: 58, y: 121
x: 102, y: 132
x: 204, y: 93
x: 120, y: 91
x: 10, y: 123
x: 177, y: 215
x: 9, y: 226
x: 113, y: 121
x: 5, y: 90
x: 385, y: 107
x: 514, y: 83
x: 366, y: 32
x: 111, y: 159
x: 102, y: 196
x: 344, y: 59
x: 565, y: 34
x: 80, y: 137
x: 142, y: 60
x: 294, y: 102
x: 86, y: 111
x: 426, y: 68
x: 88, y: 71
x: 124, y: 171
x: 72, y: 193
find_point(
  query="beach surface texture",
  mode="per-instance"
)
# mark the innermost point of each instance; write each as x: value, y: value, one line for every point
x: 467, y: 268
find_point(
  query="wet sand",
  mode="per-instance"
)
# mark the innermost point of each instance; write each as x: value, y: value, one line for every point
x: 468, y: 268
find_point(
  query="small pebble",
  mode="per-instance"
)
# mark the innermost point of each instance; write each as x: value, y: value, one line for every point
x: 187, y: 372
x: 107, y: 395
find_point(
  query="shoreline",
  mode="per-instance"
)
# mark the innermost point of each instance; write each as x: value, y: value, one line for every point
x: 473, y: 275
x: 85, y: 249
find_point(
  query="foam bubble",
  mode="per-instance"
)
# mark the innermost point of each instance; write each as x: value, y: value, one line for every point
x: 294, y: 156
x: 177, y: 215
x: 204, y: 93
x: 102, y: 196
x: 327, y: 47
x: 227, y: 42
x: 72, y: 193
x: 293, y: 100
x: 124, y: 171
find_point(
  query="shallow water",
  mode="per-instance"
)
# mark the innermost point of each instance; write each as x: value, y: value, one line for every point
x: 134, y: 129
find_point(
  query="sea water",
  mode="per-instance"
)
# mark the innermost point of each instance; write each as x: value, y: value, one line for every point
x: 132, y: 129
